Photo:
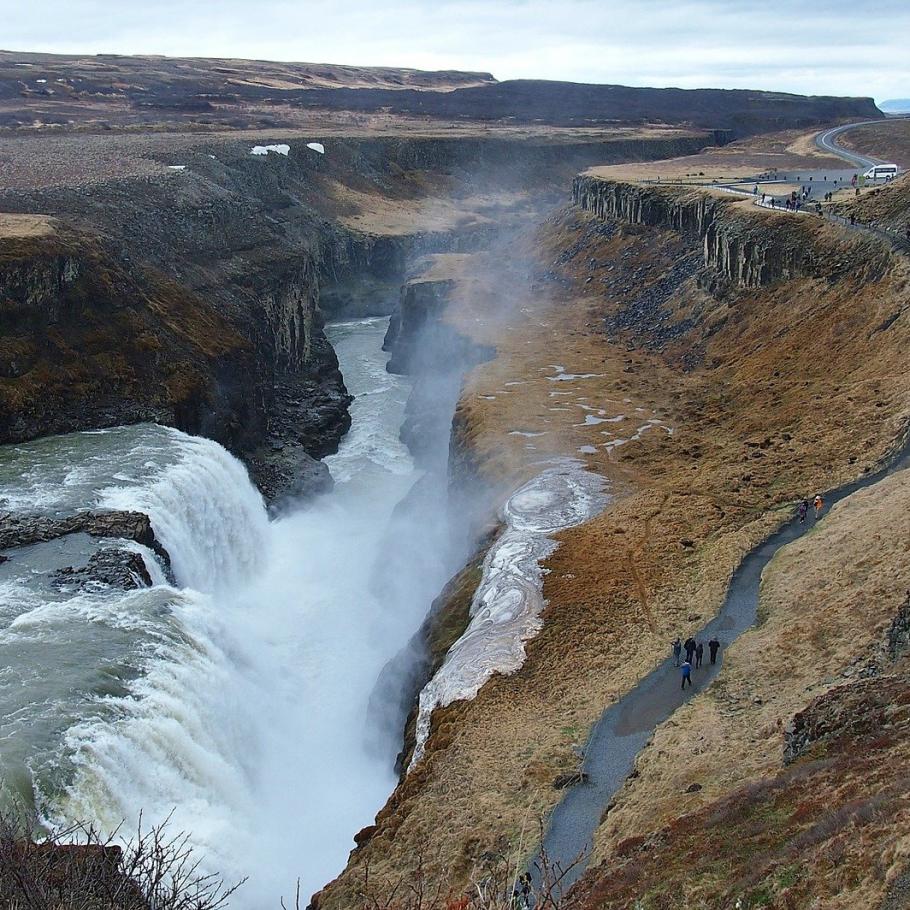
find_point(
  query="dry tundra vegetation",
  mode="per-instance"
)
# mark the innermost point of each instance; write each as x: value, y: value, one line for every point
x: 772, y: 393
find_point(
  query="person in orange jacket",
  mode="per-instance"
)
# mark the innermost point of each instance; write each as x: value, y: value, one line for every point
x: 819, y: 504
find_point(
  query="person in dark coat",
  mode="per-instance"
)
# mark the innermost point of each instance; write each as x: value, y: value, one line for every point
x: 690, y: 648
x: 677, y: 650
x: 713, y: 647
x: 699, y: 654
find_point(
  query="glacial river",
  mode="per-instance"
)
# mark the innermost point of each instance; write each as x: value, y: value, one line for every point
x: 236, y: 700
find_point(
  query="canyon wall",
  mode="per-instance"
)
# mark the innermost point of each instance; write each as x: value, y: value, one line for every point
x: 191, y: 295
x: 741, y: 245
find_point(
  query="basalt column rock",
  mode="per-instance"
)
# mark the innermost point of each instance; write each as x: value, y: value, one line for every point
x: 745, y: 248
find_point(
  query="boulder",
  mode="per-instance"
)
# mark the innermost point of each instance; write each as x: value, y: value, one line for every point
x: 111, y: 567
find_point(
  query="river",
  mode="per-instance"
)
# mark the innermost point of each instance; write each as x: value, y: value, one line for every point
x: 237, y: 699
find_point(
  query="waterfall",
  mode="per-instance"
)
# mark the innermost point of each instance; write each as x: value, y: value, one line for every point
x: 205, y: 511
x: 241, y: 700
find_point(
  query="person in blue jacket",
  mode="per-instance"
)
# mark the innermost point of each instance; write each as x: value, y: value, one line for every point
x: 686, y: 674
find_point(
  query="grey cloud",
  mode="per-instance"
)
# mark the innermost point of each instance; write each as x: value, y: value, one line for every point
x: 829, y: 46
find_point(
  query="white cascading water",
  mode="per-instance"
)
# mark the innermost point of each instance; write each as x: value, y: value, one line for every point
x: 245, y: 721
x: 243, y: 704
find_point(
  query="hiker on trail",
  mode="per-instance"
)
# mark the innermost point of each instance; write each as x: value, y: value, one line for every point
x: 713, y: 647
x: 803, y: 510
x: 677, y: 650
x: 819, y: 504
x: 690, y: 648
x: 686, y: 674
x: 699, y: 654
x: 852, y: 218
x: 764, y: 196
x: 522, y: 894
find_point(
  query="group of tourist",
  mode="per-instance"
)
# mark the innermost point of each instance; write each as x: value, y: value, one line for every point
x: 803, y: 508
x: 695, y: 652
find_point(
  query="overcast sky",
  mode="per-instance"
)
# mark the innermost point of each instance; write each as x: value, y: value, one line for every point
x: 823, y: 47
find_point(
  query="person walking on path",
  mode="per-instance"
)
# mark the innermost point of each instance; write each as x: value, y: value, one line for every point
x: 677, y: 650
x: 803, y: 510
x: 713, y: 647
x: 819, y: 505
x: 690, y: 648
x: 699, y: 654
x: 686, y: 674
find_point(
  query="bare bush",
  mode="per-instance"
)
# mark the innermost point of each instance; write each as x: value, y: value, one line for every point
x: 499, y: 880
x: 79, y: 868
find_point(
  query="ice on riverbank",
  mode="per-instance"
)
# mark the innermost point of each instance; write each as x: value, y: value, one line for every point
x: 506, y: 608
x: 280, y: 149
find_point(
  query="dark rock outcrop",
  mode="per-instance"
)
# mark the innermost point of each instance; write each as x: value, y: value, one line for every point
x: 852, y: 711
x: 421, y: 305
x: 24, y: 530
x: 287, y: 473
x: 898, y: 638
x: 110, y: 567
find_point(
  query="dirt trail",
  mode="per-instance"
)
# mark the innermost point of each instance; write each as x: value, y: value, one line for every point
x: 626, y: 726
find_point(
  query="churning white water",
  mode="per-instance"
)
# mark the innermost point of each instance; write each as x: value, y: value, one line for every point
x: 238, y: 700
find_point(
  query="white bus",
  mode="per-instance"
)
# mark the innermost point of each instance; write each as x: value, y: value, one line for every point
x: 882, y: 172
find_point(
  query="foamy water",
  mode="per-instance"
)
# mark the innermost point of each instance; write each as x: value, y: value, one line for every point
x: 236, y: 701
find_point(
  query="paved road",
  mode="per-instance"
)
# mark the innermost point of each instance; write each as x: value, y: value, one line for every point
x: 625, y: 727
x: 827, y: 142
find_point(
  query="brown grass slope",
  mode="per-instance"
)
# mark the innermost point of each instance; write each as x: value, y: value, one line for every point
x: 712, y: 814
x: 771, y: 392
x: 888, y: 140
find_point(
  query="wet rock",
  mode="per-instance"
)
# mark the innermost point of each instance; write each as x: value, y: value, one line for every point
x: 288, y: 474
x: 24, y: 530
x: 112, y: 567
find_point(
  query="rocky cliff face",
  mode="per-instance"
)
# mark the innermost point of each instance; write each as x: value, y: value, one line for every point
x: 743, y: 247
x: 85, y: 343
x: 192, y: 297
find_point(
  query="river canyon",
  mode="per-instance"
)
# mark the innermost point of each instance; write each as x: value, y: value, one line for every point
x: 356, y: 461
x: 212, y: 700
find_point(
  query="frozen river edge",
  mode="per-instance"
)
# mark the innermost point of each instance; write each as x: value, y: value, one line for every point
x: 507, y: 605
